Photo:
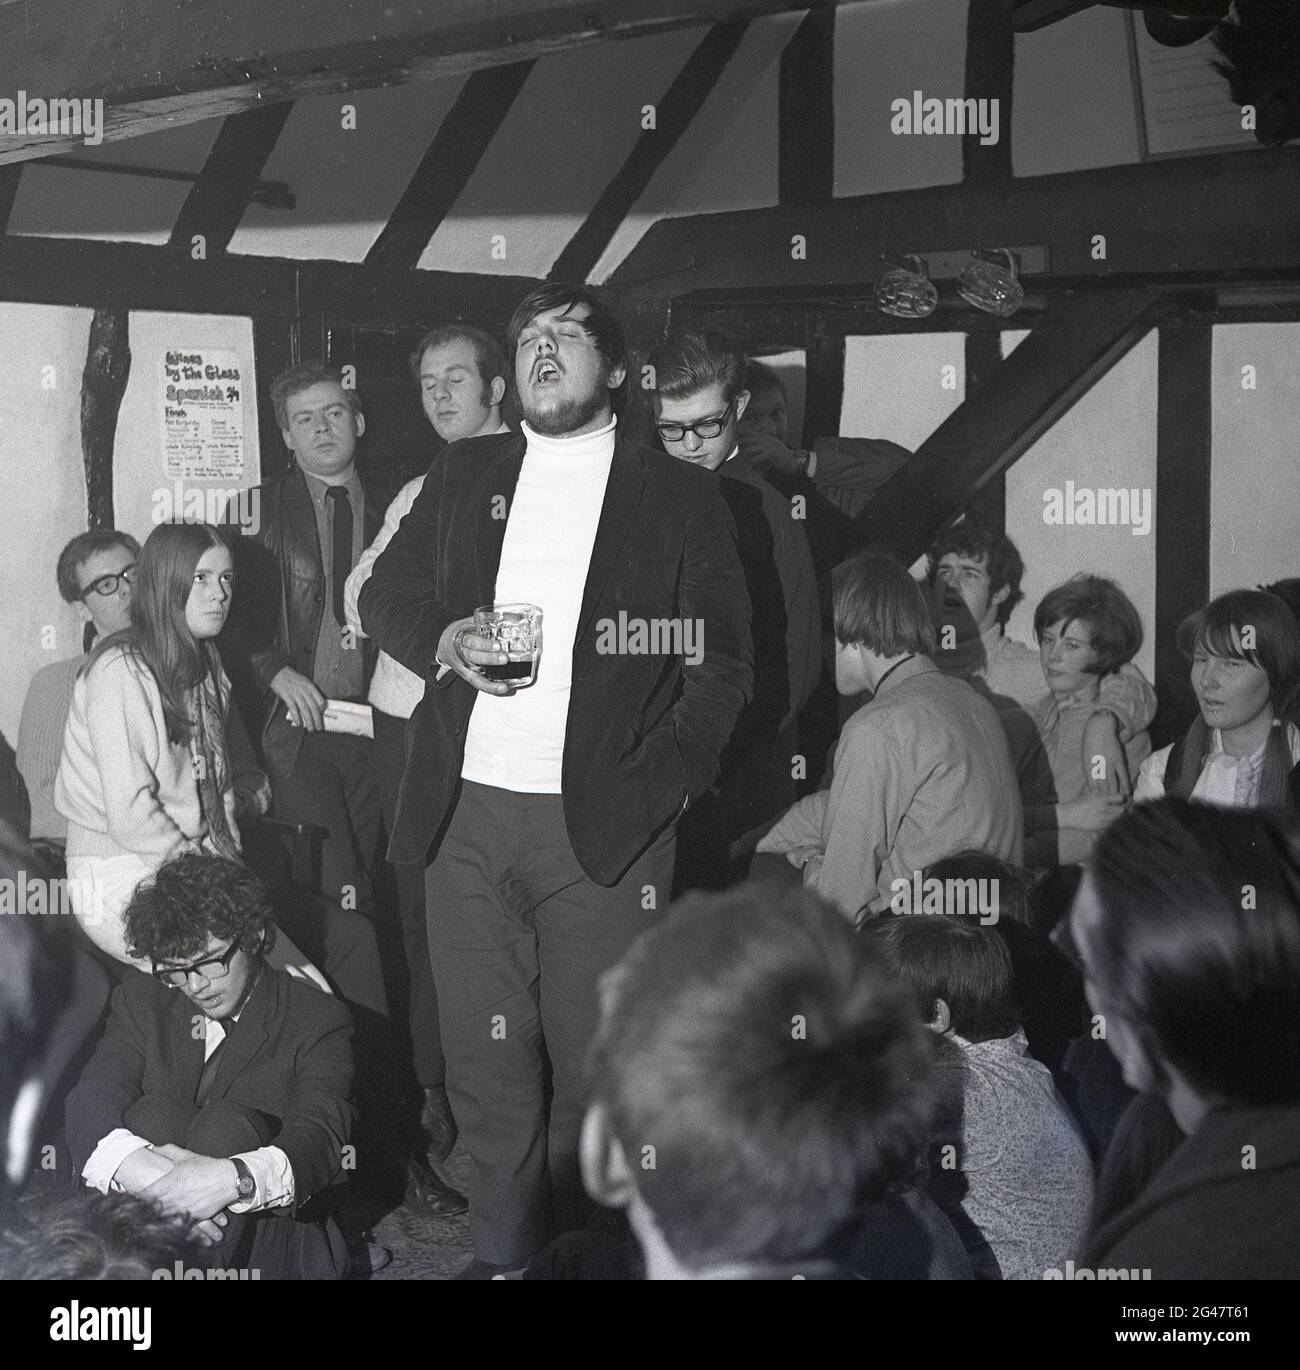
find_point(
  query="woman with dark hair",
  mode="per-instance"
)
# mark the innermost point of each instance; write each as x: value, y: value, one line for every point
x: 1082, y: 774
x: 146, y: 772
x: 1243, y: 748
x: 1188, y: 924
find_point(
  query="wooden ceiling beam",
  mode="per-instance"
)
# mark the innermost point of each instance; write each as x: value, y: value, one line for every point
x: 444, y: 171
x: 1227, y: 214
x: 685, y: 97
x: 92, y: 274
x: 159, y: 63
x: 217, y: 200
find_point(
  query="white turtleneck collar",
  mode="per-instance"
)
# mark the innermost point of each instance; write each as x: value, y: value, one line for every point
x: 573, y: 452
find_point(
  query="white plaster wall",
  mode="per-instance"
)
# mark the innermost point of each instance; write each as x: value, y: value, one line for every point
x: 1107, y: 440
x: 42, y: 489
x: 1255, y: 466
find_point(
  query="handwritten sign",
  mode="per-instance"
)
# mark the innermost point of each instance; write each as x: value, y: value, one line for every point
x: 203, y: 415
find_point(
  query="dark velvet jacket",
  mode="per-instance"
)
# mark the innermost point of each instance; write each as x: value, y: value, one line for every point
x: 644, y: 732
x: 1223, y: 1206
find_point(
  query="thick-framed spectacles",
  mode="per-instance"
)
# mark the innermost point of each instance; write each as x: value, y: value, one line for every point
x: 107, y: 585
x: 705, y: 428
x: 210, y: 968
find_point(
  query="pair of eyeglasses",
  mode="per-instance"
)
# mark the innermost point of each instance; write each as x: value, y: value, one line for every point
x: 217, y: 968
x: 107, y: 585
x: 705, y: 428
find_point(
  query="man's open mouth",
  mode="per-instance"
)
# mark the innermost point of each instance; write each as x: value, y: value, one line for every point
x: 546, y: 371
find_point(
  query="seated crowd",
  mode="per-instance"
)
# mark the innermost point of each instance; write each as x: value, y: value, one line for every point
x: 997, y: 993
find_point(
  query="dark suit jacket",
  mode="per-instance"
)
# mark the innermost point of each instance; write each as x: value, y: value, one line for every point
x: 289, y: 1057
x: 644, y: 732
x: 1206, y: 1215
x: 280, y: 597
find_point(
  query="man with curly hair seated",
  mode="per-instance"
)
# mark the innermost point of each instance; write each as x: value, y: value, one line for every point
x: 220, y: 1089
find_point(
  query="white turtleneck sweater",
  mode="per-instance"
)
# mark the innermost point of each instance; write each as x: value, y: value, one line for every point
x: 516, y: 742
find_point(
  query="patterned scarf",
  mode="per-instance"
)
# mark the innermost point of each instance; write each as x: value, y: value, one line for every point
x: 208, y: 745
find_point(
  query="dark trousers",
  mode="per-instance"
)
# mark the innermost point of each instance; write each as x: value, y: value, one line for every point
x: 388, y: 761
x: 271, y: 1242
x: 331, y: 784
x: 518, y: 935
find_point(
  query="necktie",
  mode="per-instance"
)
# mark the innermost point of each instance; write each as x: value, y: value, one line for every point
x: 341, y: 560
x: 208, y: 1075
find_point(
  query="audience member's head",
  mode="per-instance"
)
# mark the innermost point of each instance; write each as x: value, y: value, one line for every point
x: 756, y: 1077
x: 1008, y: 886
x: 94, y: 574
x: 35, y: 982
x: 699, y: 396
x: 570, y: 358
x: 1188, y: 922
x: 461, y: 372
x: 320, y: 418
x: 204, y: 922
x: 880, y: 615
x: 1086, y: 629
x: 92, y: 1236
x: 976, y: 571
x: 1245, y: 653
x: 183, y: 590
x: 767, y: 412
x: 958, y: 967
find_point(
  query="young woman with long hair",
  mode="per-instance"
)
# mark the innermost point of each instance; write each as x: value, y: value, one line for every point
x: 146, y: 772
x: 1243, y: 747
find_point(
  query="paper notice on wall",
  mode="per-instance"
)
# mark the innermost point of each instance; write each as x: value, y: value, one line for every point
x: 1185, y: 103
x: 203, y: 415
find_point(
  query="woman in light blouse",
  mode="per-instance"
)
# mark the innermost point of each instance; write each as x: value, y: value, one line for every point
x: 1243, y: 747
x: 1090, y: 746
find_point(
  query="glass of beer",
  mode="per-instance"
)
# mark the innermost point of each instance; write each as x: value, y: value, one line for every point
x: 517, y: 630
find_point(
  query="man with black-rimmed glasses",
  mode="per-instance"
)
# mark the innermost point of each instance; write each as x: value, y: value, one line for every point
x: 94, y: 576
x: 220, y: 1089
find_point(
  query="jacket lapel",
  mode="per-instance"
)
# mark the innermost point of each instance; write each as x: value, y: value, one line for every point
x: 498, y: 479
x: 300, y: 514
x: 183, y: 1019
x: 622, y: 496
x: 244, y: 1038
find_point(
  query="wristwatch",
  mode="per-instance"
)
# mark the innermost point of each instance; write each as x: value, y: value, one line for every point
x: 245, y: 1184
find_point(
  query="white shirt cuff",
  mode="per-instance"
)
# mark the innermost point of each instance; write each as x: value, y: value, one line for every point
x: 104, y: 1161
x: 273, y: 1176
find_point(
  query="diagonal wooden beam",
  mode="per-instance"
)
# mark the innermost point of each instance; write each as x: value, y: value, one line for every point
x: 806, y: 112
x: 683, y: 101
x: 1065, y: 355
x: 228, y: 181
x: 461, y: 140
